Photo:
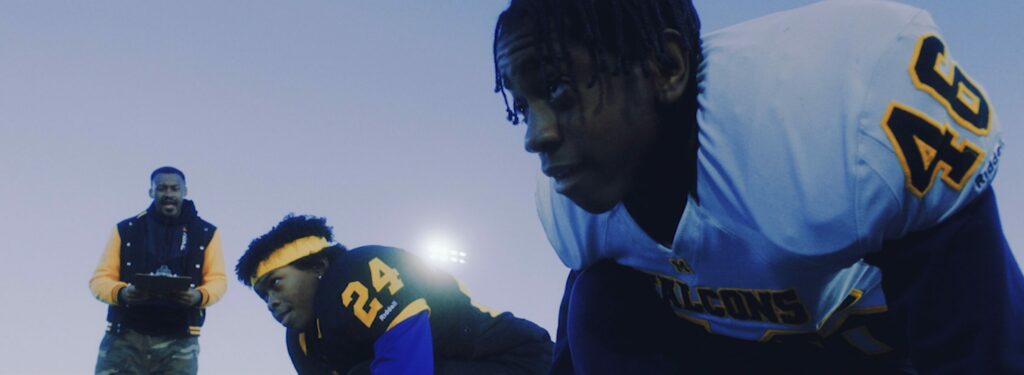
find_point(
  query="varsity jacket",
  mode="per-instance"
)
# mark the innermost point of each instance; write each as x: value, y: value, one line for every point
x: 129, y: 252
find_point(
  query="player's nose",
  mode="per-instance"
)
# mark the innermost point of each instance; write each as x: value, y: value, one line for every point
x: 273, y: 303
x: 542, y: 133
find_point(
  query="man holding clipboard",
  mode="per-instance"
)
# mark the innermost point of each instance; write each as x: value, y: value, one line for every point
x: 159, y: 272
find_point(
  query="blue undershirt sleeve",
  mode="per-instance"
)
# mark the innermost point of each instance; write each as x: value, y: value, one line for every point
x: 406, y: 348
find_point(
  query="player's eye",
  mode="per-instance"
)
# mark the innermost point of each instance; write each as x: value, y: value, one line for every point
x: 559, y: 91
x: 557, y: 88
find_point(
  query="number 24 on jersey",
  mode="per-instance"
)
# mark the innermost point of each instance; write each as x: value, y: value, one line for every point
x: 366, y: 308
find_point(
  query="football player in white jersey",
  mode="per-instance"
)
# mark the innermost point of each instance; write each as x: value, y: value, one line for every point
x: 807, y: 192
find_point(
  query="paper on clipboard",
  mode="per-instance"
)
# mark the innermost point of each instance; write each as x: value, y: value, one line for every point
x: 161, y: 283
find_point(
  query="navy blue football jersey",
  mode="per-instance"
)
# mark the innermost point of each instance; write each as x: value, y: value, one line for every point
x: 369, y: 290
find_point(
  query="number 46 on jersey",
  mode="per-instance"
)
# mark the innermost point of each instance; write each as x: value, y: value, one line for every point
x: 926, y: 146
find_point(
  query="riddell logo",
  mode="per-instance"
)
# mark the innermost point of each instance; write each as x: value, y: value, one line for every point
x: 989, y: 171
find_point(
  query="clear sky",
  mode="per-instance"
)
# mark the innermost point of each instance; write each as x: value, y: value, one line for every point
x: 377, y: 114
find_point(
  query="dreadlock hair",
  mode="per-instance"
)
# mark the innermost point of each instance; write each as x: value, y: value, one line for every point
x: 291, y: 228
x: 168, y: 170
x: 624, y: 31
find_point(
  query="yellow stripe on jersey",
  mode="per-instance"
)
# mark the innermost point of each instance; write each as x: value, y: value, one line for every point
x: 411, y: 309
x: 701, y: 322
x: 484, y: 309
x: 302, y: 343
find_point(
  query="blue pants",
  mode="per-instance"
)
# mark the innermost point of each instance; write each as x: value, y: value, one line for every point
x: 954, y: 292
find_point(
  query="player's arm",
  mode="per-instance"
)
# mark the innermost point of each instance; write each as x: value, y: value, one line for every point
x: 106, y: 280
x: 937, y: 138
x: 406, y: 348
x: 942, y: 149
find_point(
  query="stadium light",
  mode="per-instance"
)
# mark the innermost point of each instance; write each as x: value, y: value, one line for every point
x: 443, y: 250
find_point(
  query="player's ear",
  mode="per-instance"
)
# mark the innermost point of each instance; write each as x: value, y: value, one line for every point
x: 152, y: 194
x: 321, y: 266
x: 673, y: 69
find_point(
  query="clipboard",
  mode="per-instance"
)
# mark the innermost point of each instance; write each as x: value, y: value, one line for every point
x: 161, y: 283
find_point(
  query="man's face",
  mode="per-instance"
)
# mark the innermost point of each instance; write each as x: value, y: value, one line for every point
x: 288, y: 292
x: 590, y: 139
x: 168, y: 191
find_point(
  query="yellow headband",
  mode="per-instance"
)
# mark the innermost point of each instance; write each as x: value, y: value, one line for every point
x: 289, y: 253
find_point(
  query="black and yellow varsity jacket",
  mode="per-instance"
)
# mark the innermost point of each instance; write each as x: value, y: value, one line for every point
x: 188, y: 246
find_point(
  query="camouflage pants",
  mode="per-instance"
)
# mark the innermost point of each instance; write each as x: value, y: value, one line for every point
x: 131, y: 352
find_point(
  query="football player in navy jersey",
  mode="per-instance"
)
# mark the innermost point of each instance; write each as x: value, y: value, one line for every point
x: 379, y: 310
x: 807, y: 192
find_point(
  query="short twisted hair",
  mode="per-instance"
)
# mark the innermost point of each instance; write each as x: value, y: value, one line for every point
x: 625, y: 31
x: 291, y: 228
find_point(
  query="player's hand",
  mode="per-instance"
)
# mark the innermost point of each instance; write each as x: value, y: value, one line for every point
x: 130, y: 294
x: 188, y: 298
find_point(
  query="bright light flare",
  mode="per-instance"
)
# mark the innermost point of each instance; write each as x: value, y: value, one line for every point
x: 442, y: 249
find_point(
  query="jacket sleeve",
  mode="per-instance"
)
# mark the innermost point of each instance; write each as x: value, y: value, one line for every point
x: 106, y: 280
x: 214, y: 280
x: 407, y: 348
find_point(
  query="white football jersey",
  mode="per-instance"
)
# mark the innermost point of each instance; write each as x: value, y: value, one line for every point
x: 824, y: 131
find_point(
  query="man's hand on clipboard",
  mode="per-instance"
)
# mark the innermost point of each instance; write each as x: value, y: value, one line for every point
x: 187, y: 298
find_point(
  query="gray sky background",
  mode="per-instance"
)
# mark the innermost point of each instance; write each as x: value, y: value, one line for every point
x: 376, y: 114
